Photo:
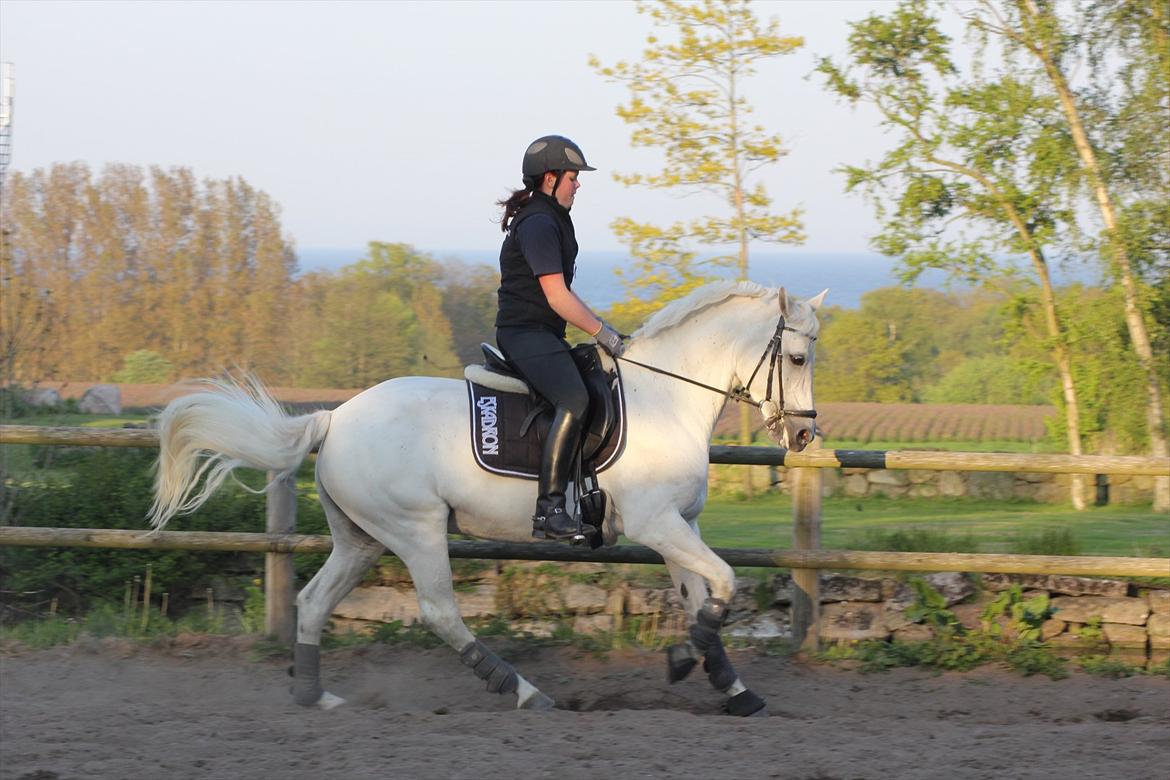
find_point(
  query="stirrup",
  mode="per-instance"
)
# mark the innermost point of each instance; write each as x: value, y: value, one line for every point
x: 573, y: 531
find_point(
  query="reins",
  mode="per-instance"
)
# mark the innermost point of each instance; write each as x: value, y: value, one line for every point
x: 742, y: 394
x: 735, y: 394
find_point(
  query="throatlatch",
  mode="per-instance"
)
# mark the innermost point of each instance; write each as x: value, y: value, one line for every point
x: 500, y: 675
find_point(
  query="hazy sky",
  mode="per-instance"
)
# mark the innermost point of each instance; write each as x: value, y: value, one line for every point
x: 404, y: 121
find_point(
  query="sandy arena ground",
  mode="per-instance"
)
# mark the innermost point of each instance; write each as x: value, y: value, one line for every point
x: 203, y: 709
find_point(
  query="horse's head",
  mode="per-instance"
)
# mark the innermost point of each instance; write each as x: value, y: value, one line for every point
x: 787, y: 386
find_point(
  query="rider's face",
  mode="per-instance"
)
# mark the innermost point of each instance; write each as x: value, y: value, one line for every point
x: 567, y: 190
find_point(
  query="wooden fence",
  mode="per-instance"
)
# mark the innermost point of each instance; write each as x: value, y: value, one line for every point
x: 805, y: 558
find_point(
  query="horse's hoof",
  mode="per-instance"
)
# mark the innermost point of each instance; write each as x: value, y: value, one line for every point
x: 328, y: 701
x: 746, y: 704
x: 680, y: 660
x: 537, y: 702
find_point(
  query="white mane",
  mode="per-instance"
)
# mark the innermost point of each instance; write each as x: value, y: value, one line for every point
x: 708, y: 295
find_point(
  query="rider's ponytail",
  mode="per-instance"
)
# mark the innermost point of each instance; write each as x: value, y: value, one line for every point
x: 519, y: 198
x: 512, y: 204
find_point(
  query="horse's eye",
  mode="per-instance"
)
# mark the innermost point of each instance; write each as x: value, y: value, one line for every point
x: 797, y: 360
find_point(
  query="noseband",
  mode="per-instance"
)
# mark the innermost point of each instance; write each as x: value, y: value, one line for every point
x: 773, y: 411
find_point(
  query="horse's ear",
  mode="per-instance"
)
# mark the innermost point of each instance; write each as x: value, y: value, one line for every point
x: 816, y: 302
x: 783, y: 302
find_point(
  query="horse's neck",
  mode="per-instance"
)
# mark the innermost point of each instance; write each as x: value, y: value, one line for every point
x: 703, y: 349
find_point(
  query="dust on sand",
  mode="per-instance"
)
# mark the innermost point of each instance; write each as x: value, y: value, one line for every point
x: 203, y: 708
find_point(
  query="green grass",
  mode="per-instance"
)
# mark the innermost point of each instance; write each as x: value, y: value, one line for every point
x: 993, y: 526
x: 77, y: 420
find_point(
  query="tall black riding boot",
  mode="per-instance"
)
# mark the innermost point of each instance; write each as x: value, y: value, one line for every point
x: 552, y: 519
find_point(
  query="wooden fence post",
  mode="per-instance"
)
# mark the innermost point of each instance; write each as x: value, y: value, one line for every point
x: 279, y: 574
x: 806, y: 535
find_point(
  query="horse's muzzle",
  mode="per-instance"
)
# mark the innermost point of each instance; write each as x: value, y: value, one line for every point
x: 799, y: 432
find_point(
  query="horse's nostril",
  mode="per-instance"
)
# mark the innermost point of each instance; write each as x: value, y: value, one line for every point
x: 804, y: 437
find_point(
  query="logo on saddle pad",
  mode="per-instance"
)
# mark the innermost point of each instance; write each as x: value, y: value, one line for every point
x: 489, y: 435
x: 507, y: 430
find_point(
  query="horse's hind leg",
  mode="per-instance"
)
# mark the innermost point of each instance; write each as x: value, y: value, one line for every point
x: 354, y: 552
x: 425, y: 555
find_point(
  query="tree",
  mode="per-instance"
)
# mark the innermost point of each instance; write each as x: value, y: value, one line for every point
x: 1035, y: 29
x: 378, y: 318
x: 368, y: 334
x: 972, y: 151
x: 662, y: 271
x: 990, y: 379
x: 686, y: 98
x: 469, y: 303
x: 861, y: 362
x: 902, y: 344
x: 144, y: 260
x: 27, y: 306
x: 1107, y: 374
x: 415, y: 278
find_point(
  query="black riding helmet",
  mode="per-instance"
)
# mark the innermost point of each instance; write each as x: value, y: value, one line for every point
x: 552, y: 153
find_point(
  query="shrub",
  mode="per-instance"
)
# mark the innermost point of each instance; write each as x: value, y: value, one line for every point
x: 144, y: 366
x: 111, y: 488
x: 911, y: 540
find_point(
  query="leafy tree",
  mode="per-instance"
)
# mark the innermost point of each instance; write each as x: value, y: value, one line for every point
x: 25, y: 316
x: 686, y: 98
x: 469, y: 303
x: 135, y: 259
x: 367, y: 334
x: 415, y: 278
x: 861, y: 362
x: 378, y: 318
x: 1048, y: 43
x: 992, y: 379
x: 1106, y: 370
x: 660, y: 272
x: 984, y: 153
x: 901, y: 343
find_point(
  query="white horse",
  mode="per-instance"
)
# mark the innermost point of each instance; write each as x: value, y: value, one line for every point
x: 395, y: 471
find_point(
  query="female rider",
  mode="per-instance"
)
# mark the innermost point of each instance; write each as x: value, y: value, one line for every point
x: 537, y: 263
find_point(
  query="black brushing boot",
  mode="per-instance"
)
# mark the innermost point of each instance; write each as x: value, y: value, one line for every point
x: 552, y: 519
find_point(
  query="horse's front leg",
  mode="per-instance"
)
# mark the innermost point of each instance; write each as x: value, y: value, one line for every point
x: 686, y: 554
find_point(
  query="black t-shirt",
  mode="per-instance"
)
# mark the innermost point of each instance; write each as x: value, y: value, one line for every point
x: 540, y: 241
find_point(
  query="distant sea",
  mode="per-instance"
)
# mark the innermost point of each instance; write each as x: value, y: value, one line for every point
x: 848, y: 275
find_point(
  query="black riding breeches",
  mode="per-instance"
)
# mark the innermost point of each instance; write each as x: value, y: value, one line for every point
x: 543, y: 359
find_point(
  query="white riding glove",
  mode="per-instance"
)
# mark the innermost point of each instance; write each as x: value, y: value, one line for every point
x: 609, y: 340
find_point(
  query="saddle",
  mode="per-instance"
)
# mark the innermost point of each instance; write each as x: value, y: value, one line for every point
x: 509, y: 421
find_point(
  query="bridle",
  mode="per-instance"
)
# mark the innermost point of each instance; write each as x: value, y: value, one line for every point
x: 773, y: 411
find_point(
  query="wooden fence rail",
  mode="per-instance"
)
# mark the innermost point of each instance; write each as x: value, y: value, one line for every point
x: 233, y: 541
x: 805, y: 559
x: 1133, y: 465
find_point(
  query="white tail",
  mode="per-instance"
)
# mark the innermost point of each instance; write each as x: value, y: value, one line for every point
x: 206, y: 435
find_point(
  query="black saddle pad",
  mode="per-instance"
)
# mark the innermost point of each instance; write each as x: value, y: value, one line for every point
x: 508, y: 429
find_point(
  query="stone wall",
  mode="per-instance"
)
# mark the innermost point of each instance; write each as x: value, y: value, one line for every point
x: 901, y: 483
x: 1091, y: 615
